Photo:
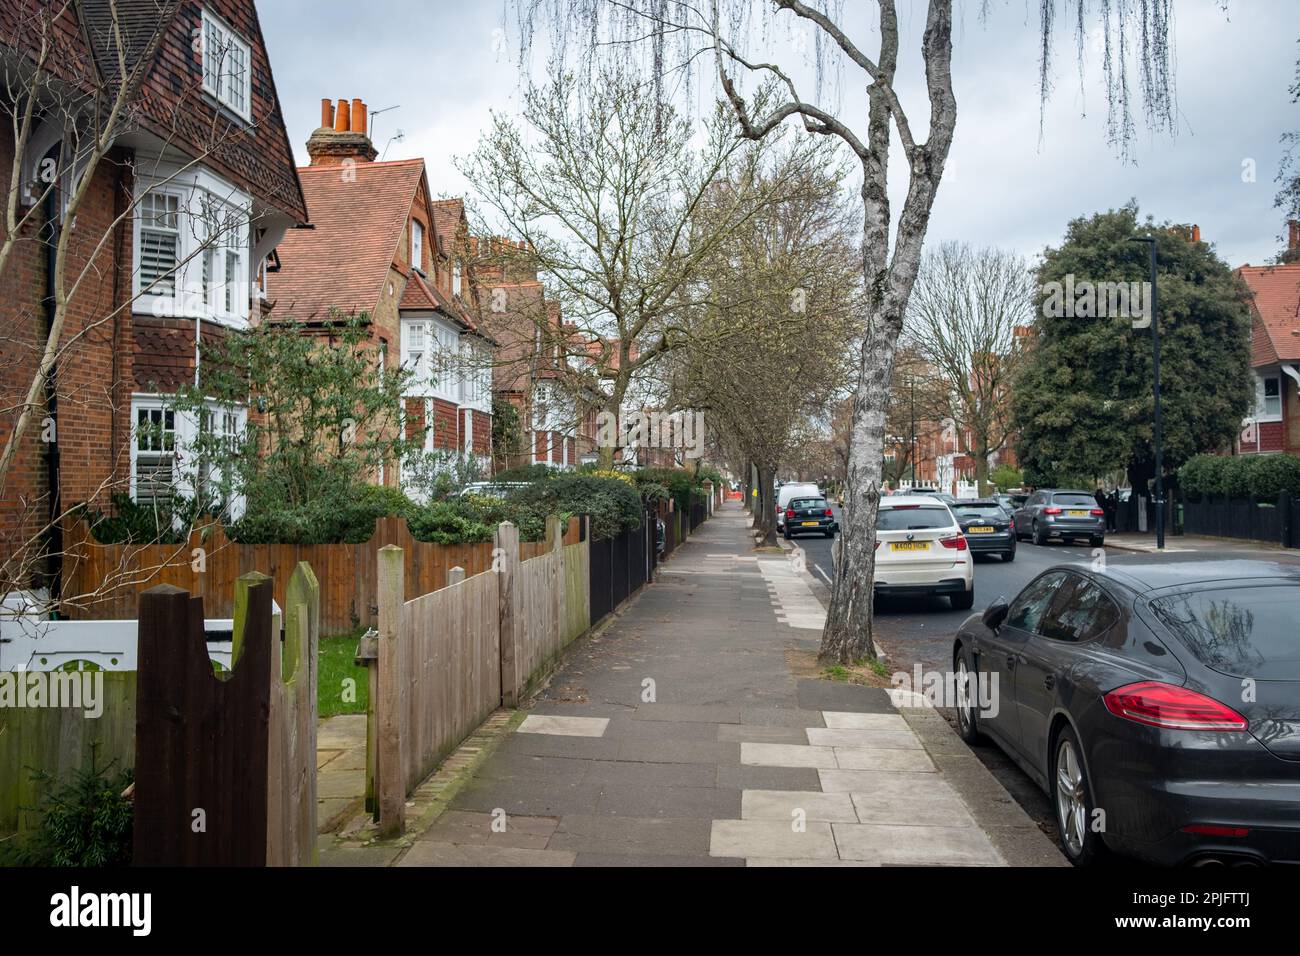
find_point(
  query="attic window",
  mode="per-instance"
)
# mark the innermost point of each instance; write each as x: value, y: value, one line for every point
x: 417, y: 246
x: 226, y: 73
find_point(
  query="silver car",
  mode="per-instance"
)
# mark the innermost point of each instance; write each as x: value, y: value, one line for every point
x: 1063, y: 515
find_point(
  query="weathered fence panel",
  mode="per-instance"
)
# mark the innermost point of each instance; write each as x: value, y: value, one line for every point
x: 103, y: 581
x: 202, y: 743
x: 58, y: 741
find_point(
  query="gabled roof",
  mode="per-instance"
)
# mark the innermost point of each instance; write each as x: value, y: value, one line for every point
x: 1275, y: 301
x: 169, y: 102
x: 359, y: 214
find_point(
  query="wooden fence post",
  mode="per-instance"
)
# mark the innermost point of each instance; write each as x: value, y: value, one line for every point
x: 505, y: 562
x: 455, y: 576
x: 291, y: 819
x: 390, y: 784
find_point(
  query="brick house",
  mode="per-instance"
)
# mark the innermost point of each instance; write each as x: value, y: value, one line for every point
x: 167, y: 246
x: 382, y: 248
x: 539, y: 368
x: 1274, y: 425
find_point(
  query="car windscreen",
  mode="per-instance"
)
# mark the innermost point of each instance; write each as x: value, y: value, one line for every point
x: 1242, y: 631
x: 1075, y: 501
x: 915, y: 518
x: 805, y: 503
x: 978, y: 511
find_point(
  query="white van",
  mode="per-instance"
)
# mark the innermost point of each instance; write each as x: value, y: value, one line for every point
x: 791, y: 490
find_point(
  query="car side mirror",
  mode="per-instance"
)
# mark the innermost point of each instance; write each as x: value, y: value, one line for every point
x: 995, y: 614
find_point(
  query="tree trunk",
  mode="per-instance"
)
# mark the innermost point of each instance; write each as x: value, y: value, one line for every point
x: 847, y: 638
x: 982, y: 469
x: 764, y: 510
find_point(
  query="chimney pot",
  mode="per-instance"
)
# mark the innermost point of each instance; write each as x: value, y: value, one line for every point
x: 343, y: 118
x: 1196, y: 233
x: 358, y: 116
x: 326, y: 113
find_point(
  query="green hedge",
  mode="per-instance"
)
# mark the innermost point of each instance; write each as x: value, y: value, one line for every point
x: 1262, y: 477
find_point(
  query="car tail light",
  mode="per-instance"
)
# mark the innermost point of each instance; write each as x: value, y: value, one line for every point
x: 1097, y: 512
x: 1173, y: 708
x: 956, y: 541
x: 789, y: 512
x: 1051, y: 511
x: 1012, y: 524
x: 877, y: 544
x: 829, y: 513
x: 1209, y: 829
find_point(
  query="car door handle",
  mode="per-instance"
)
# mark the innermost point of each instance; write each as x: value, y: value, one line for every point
x: 1049, y: 681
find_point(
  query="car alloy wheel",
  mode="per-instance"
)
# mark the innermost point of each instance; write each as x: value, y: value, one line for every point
x: 966, y: 719
x: 1071, y: 798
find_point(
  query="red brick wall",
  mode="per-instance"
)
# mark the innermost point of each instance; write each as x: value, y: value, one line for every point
x: 415, y: 419
x: 482, y: 433
x: 93, y: 371
x: 445, y: 427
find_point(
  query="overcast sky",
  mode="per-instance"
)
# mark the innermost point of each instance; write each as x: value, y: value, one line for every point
x: 448, y: 64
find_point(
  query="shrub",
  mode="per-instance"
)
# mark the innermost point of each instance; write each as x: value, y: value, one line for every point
x: 346, y: 517
x: 85, y: 822
x: 474, y: 518
x: 1240, y: 476
x: 527, y: 473
x: 613, y: 504
x: 129, y: 522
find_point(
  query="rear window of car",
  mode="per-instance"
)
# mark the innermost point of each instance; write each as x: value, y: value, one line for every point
x: 798, y: 503
x: 916, y: 518
x: 978, y: 511
x: 1075, y: 501
x: 1242, y: 631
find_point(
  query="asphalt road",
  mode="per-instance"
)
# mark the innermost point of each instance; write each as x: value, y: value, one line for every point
x: 915, y: 631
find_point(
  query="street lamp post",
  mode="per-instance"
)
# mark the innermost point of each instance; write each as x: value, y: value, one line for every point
x: 1155, y: 387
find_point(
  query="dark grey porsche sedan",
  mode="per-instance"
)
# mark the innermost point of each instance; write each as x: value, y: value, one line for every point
x: 1158, y: 704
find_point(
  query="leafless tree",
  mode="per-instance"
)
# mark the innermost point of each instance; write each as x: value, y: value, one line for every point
x: 673, y: 41
x: 962, y: 317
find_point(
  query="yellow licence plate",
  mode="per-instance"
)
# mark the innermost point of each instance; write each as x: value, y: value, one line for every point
x: 980, y: 530
x: 1077, y: 514
x: 909, y: 546
x: 809, y: 524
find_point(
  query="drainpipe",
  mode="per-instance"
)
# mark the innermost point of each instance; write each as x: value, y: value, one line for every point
x: 54, y: 529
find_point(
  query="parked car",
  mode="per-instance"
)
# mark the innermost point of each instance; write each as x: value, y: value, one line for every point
x: 1057, y: 513
x: 789, y: 491
x: 1011, y: 501
x: 809, y: 516
x: 988, y: 527
x: 1158, y: 704
x: 492, y: 489
x: 920, y: 549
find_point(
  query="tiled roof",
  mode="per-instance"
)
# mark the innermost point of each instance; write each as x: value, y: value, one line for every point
x: 170, y: 102
x: 1275, y: 329
x: 359, y: 214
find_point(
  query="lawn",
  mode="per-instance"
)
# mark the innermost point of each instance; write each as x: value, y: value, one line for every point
x: 341, y: 686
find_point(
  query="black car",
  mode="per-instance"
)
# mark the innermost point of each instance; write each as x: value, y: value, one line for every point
x: 988, y: 527
x: 1057, y: 513
x: 809, y: 516
x: 1158, y: 704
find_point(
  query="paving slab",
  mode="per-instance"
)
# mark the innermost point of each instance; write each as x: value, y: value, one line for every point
x: 915, y: 845
x: 842, y: 697
x: 771, y: 839
x: 563, y: 726
x: 842, y: 721
x: 783, y: 805
x: 754, y: 733
x: 582, y: 833
x: 787, y: 755
x: 768, y: 778
x: 857, y: 758
x: 430, y: 853
x: 865, y: 739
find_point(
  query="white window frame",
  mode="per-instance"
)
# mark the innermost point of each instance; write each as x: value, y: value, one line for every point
x: 185, y: 429
x: 455, y: 278
x: 417, y: 246
x: 222, y: 78
x: 202, y: 200
x: 1262, y: 413
x: 154, y: 405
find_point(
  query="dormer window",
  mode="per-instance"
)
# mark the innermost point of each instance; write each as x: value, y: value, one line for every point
x: 226, y: 66
x: 417, y: 246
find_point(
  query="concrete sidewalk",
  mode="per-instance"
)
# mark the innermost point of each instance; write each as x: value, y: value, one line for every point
x: 1189, y: 544
x: 679, y: 736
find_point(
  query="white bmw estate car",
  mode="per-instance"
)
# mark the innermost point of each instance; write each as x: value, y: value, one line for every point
x: 920, y: 549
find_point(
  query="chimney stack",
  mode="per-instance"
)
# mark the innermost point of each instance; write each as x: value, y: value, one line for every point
x: 341, y: 137
x: 1196, y: 233
x: 1293, y: 237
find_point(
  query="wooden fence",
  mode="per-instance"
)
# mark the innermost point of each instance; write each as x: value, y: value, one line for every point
x: 103, y: 581
x: 448, y: 658
x: 59, y: 741
x: 225, y: 765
